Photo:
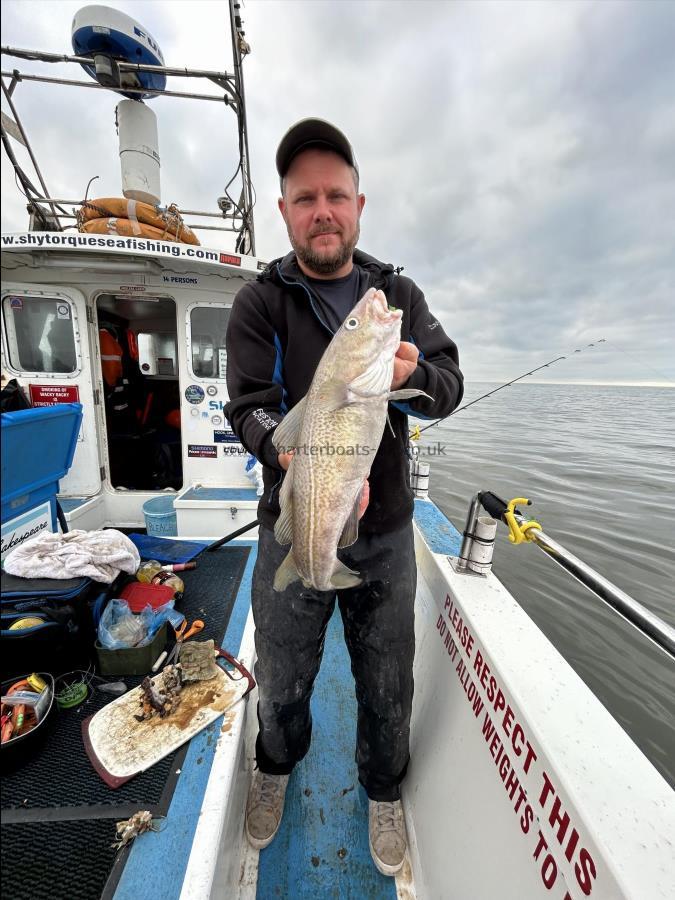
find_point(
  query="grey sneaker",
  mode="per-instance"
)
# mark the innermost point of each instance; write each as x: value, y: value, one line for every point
x: 264, y: 808
x: 387, y: 837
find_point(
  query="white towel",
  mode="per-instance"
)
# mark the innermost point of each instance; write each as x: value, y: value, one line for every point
x: 99, y: 555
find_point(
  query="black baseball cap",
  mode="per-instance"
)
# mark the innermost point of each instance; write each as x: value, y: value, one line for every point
x: 308, y: 133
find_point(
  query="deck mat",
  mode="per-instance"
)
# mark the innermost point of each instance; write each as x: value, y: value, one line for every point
x: 322, y: 849
x: 60, y: 788
x: 33, y: 870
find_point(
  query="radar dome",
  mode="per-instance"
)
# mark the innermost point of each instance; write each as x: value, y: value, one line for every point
x: 108, y: 36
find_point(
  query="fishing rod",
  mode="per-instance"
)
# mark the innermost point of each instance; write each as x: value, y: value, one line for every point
x: 507, y: 384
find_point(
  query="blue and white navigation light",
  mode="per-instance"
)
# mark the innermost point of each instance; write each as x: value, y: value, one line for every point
x: 108, y: 36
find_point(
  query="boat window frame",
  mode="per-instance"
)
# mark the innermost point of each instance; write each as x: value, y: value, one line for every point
x: 220, y: 304
x: 57, y: 296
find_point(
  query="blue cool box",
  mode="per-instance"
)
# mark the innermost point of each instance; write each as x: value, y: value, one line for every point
x: 38, y: 446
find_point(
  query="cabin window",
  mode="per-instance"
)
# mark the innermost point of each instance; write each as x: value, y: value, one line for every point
x: 40, y: 334
x: 208, y: 357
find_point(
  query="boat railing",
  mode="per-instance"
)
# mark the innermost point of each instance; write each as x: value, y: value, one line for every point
x: 521, y: 529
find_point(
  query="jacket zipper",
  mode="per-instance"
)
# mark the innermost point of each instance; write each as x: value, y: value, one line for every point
x: 276, y: 484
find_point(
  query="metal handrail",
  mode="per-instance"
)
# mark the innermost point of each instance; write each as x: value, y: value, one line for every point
x: 71, y: 82
x: 124, y: 65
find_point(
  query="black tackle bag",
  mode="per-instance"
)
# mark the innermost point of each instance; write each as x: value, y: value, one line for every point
x: 61, y: 637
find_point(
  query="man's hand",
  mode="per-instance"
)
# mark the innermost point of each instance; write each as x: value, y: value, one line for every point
x: 405, y: 363
x: 285, y: 460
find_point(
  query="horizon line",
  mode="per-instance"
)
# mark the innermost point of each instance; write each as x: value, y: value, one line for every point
x: 664, y: 384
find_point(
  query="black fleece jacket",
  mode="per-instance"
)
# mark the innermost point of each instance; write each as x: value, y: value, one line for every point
x: 275, y: 340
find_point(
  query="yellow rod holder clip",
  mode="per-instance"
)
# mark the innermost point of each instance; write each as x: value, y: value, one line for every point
x: 415, y: 434
x: 517, y: 532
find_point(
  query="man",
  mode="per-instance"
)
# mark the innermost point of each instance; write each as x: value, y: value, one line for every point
x: 279, y: 329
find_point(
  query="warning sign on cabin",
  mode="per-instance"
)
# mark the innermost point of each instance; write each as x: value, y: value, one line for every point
x: 51, y: 394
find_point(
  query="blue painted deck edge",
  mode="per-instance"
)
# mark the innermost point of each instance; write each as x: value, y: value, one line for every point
x: 439, y: 532
x: 158, y: 861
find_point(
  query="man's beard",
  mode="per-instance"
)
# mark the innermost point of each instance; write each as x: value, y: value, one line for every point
x: 322, y: 264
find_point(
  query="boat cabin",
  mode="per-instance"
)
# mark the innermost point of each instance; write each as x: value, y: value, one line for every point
x: 139, y: 340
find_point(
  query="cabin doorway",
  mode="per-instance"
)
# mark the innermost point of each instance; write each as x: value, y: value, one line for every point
x: 138, y: 348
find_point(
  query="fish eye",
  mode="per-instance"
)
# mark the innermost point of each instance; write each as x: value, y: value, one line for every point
x: 351, y: 323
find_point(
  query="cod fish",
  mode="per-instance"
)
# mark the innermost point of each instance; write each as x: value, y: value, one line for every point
x: 335, y: 431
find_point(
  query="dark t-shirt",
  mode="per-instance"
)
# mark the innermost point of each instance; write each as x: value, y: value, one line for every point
x: 338, y: 296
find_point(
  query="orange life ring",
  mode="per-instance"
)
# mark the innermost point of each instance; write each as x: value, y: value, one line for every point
x: 127, y: 228
x: 111, y: 357
x: 169, y: 221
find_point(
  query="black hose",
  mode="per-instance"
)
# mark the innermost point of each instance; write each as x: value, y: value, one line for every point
x: 229, y: 537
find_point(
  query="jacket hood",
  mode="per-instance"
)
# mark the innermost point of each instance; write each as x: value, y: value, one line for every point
x: 285, y: 268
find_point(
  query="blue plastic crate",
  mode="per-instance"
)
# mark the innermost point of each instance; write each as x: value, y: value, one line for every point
x: 38, y: 446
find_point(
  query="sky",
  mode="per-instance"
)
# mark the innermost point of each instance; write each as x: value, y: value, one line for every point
x: 518, y: 158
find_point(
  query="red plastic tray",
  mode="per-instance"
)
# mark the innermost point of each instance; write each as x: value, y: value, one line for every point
x: 139, y: 595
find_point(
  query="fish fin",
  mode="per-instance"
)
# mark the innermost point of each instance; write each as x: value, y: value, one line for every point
x: 374, y: 381
x: 351, y: 530
x: 407, y: 394
x: 343, y: 577
x: 287, y: 573
x: 336, y: 395
x: 283, y: 527
x: 285, y: 435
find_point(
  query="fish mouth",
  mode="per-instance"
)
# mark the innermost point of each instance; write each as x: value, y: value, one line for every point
x: 382, y: 312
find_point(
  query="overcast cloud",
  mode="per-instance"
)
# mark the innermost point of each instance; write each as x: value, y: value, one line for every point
x: 518, y: 159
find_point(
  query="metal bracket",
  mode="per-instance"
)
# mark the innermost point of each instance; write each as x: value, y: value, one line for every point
x: 463, y: 569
